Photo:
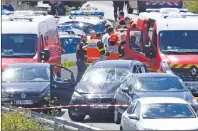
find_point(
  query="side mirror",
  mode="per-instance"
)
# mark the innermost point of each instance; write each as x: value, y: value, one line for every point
x: 125, y: 90
x: 149, y: 51
x: 45, y: 55
x: 134, y: 116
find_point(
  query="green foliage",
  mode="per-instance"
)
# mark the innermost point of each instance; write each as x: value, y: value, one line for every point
x: 192, y: 6
x: 50, y: 102
x: 18, y: 121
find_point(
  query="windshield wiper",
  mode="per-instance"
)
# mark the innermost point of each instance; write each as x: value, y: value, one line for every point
x: 172, y: 51
x: 182, y: 51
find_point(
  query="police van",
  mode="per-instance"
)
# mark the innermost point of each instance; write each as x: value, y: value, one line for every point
x: 85, y: 20
x: 26, y: 34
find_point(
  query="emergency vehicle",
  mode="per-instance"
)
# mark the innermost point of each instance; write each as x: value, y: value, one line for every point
x: 63, y: 28
x: 85, y: 20
x: 167, y: 41
x: 69, y: 42
x: 142, y: 5
x: 30, y: 37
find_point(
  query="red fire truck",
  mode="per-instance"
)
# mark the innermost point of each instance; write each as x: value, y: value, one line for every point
x: 167, y: 41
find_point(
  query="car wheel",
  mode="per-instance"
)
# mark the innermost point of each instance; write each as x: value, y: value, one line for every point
x: 121, y: 128
x: 74, y: 116
x: 117, y: 117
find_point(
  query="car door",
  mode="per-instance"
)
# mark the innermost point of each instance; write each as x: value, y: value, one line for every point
x: 127, y: 120
x: 133, y: 122
x: 122, y: 96
x: 61, y: 89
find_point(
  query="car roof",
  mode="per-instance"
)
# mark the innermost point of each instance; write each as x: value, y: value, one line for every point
x: 29, y: 65
x: 114, y: 63
x: 152, y: 100
x: 151, y: 75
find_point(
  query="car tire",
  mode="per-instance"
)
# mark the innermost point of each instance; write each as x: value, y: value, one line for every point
x: 75, y: 117
x: 117, y: 116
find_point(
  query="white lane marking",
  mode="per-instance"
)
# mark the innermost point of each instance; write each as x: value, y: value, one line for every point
x: 80, y: 124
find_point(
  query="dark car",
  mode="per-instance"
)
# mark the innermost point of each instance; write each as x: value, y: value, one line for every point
x: 150, y: 85
x: 28, y: 84
x: 98, y: 86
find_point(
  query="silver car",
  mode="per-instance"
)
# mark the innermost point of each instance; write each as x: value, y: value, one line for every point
x: 159, y: 113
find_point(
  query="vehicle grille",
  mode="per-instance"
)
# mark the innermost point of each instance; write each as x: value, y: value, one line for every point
x: 98, y: 100
x: 186, y: 74
x: 106, y: 100
x: 92, y: 100
x: 28, y: 96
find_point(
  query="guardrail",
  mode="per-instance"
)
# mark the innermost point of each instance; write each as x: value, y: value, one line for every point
x: 54, y: 122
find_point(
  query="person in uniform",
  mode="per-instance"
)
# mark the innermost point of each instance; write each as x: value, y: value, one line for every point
x: 118, y: 6
x: 114, y: 48
x: 81, y: 57
x: 105, y: 37
x: 92, y: 35
x: 95, y: 49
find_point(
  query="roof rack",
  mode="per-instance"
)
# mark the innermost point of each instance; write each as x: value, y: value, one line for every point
x: 167, y: 10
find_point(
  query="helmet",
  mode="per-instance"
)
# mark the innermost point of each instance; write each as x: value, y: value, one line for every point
x: 114, y: 38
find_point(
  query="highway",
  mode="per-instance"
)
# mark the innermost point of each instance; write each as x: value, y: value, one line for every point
x: 102, y: 123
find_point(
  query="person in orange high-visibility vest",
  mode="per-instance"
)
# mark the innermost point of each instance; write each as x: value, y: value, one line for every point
x: 95, y: 49
x: 114, y: 48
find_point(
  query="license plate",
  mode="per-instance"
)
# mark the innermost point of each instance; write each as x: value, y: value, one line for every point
x: 99, y: 107
x: 23, y: 102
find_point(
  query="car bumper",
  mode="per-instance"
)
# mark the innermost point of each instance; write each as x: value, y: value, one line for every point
x: 90, y: 110
x: 30, y: 103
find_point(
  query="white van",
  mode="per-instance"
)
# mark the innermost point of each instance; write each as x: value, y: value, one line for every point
x: 25, y: 35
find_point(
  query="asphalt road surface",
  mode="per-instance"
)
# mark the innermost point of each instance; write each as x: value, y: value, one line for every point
x: 107, y: 7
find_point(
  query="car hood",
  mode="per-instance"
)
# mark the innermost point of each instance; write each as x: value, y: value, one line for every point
x: 6, y: 61
x: 183, y: 95
x: 102, y: 88
x: 167, y: 124
x: 26, y: 87
x: 181, y: 59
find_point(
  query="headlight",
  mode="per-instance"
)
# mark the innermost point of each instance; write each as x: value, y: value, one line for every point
x: 77, y: 96
x: 44, y: 94
x: 165, y: 67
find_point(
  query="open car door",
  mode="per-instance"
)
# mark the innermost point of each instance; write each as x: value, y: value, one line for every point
x: 141, y: 43
x: 62, y: 87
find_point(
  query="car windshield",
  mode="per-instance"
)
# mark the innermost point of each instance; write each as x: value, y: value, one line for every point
x: 86, y: 27
x: 167, y: 111
x: 99, y: 75
x: 25, y: 74
x: 179, y: 41
x: 159, y: 84
x: 102, y: 80
x: 70, y: 44
x: 18, y: 45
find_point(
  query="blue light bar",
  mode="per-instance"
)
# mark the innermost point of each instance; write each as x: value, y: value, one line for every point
x: 86, y: 13
x: 63, y: 27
